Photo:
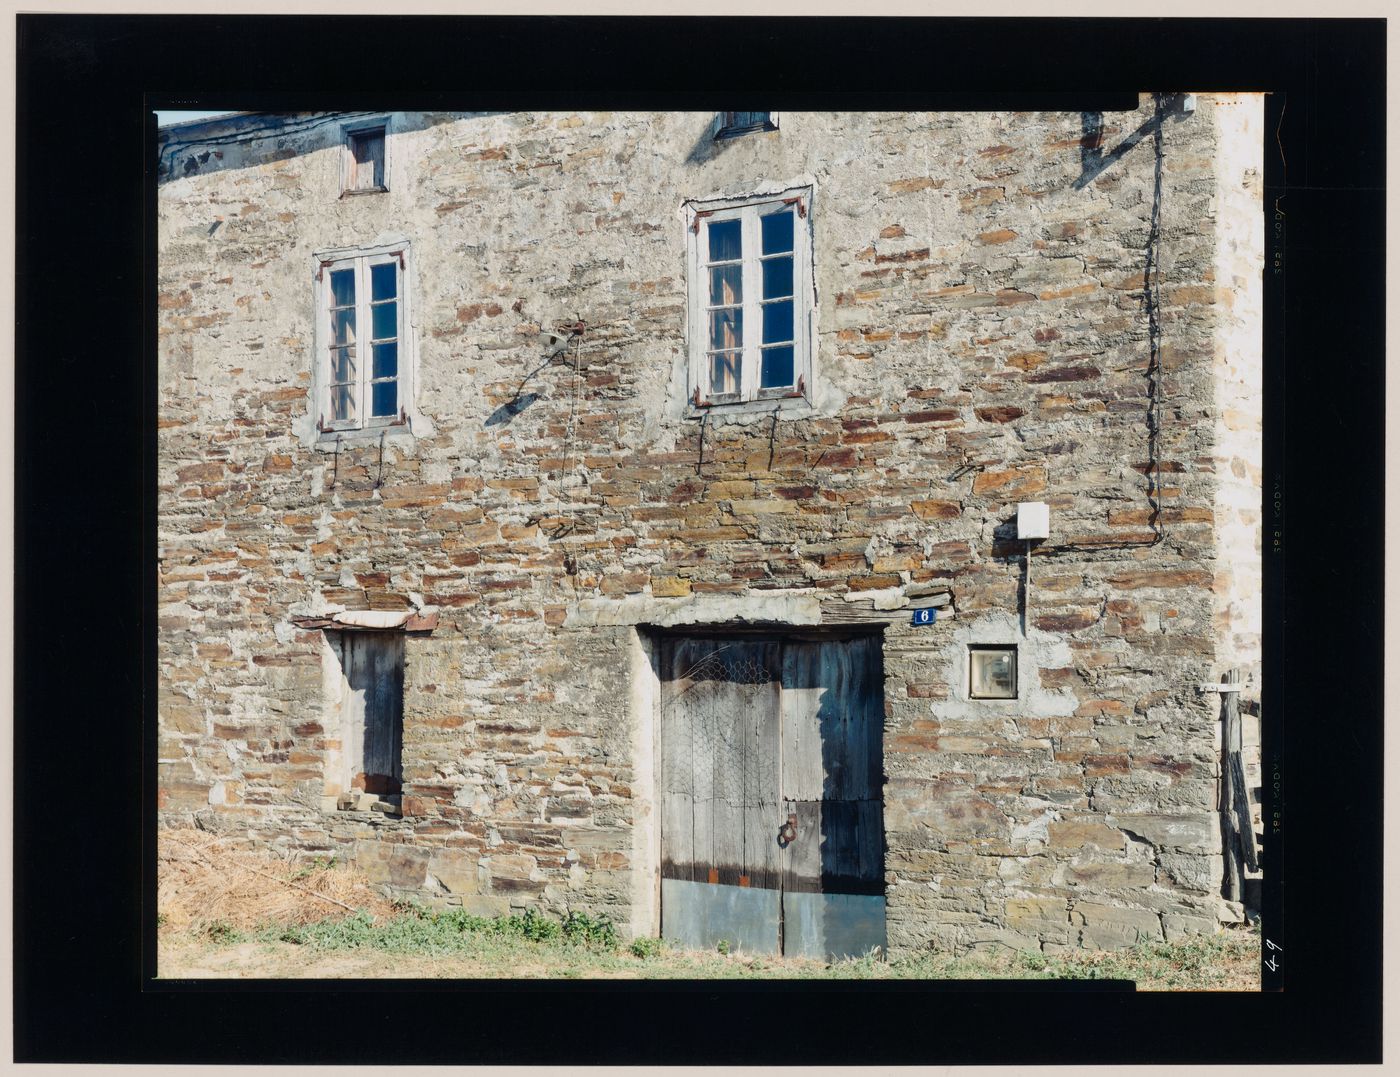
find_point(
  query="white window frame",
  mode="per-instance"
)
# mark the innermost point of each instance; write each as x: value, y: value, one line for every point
x: 362, y: 260
x: 347, y: 156
x: 699, y: 216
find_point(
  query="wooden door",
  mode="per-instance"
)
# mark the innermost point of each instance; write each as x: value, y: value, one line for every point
x: 372, y: 710
x: 720, y: 862
x: 772, y: 831
x: 834, y: 850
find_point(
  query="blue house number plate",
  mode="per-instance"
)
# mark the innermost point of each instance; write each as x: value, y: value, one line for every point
x: 925, y: 616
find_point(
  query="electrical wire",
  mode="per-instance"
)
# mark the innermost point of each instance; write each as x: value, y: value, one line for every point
x: 1152, y: 301
x: 1152, y: 298
x: 568, y: 443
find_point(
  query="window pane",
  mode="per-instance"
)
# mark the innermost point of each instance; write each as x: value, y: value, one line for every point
x: 745, y: 119
x: 384, y: 281
x: 724, y: 372
x: 343, y: 326
x: 777, y: 367
x: 726, y: 285
x: 342, y: 365
x: 725, y: 244
x: 342, y: 402
x: 777, y: 322
x: 342, y: 287
x: 726, y: 329
x: 386, y: 398
x: 386, y: 361
x: 367, y: 149
x: 777, y: 232
x: 777, y: 277
x: 386, y: 320
x: 994, y: 673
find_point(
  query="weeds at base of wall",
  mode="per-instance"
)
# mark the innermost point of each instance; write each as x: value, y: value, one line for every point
x: 455, y: 944
x: 417, y: 931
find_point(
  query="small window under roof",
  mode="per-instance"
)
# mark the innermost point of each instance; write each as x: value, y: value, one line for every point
x: 732, y: 124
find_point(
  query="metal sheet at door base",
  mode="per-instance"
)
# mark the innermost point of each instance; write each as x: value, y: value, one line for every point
x: 699, y: 915
x: 828, y: 926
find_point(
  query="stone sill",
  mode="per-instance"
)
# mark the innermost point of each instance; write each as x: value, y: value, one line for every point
x: 362, y: 806
x: 332, y: 440
x: 786, y: 407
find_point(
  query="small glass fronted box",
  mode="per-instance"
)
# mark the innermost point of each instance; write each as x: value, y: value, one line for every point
x: 991, y: 672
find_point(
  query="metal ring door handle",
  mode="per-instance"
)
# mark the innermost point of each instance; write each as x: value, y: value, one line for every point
x: 787, y: 833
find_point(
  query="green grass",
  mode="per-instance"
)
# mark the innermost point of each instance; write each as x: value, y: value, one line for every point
x: 580, y: 946
x: 419, y: 931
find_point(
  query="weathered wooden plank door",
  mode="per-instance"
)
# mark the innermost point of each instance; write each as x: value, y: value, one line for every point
x: 720, y: 867
x: 772, y: 831
x: 372, y: 709
x: 833, y: 841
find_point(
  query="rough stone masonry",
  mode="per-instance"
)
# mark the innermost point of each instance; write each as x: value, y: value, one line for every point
x: 988, y: 328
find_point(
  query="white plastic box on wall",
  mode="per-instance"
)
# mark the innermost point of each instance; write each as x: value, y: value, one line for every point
x: 1033, y: 520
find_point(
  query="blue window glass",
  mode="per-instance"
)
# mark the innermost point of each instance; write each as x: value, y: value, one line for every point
x: 726, y: 285
x: 342, y: 287
x: 777, y: 232
x: 384, y: 281
x: 777, y: 322
x: 725, y: 242
x: 386, y: 398
x: 777, y: 367
x: 386, y: 360
x: 342, y: 365
x: 343, y: 326
x: 342, y: 402
x: 386, y: 320
x: 726, y: 329
x: 777, y: 277
x: 724, y: 373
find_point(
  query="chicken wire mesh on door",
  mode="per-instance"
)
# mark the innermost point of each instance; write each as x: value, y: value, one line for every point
x: 722, y: 703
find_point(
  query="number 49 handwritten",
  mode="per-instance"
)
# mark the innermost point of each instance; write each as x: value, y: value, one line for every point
x: 1272, y: 963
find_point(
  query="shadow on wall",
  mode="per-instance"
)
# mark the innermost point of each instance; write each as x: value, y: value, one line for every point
x: 1092, y: 159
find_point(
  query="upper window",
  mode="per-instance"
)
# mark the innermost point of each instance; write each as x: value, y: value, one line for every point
x: 741, y: 123
x: 362, y: 363
x: 750, y: 301
x: 364, y: 160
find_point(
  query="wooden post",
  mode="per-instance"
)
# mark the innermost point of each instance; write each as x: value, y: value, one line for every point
x: 1244, y: 821
x: 1236, y: 819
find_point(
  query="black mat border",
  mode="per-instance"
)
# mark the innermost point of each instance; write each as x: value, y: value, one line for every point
x: 85, y: 524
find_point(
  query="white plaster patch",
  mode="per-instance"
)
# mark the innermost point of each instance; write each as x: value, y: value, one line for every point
x: 1034, y: 652
x: 1238, y: 369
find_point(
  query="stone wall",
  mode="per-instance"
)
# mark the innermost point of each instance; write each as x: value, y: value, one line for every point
x: 981, y: 340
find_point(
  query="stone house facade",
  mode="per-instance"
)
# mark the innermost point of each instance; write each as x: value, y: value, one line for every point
x: 667, y: 428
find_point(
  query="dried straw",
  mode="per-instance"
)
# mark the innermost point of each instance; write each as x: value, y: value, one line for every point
x: 204, y: 879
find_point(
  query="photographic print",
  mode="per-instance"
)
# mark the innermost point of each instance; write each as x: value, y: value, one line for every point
x: 631, y: 544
